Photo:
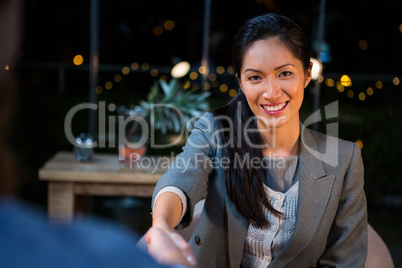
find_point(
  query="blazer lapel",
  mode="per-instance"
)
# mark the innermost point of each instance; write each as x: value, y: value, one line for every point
x: 314, y: 191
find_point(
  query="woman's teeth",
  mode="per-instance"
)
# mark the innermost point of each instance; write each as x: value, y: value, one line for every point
x: 275, y: 108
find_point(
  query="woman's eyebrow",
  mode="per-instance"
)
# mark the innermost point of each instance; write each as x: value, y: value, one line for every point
x: 284, y: 65
x: 277, y: 68
x: 251, y: 70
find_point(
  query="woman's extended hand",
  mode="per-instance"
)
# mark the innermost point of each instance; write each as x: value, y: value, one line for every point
x: 169, y: 248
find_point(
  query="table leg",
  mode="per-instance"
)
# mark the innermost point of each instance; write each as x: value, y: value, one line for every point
x: 61, y: 201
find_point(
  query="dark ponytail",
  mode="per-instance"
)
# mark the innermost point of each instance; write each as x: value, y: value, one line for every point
x: 244, y: 183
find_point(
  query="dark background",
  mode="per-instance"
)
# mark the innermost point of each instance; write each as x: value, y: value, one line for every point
x: 50, y: 85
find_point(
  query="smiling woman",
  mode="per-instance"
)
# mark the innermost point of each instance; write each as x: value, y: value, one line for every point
x: 273, y: 80
x: 300, y: 210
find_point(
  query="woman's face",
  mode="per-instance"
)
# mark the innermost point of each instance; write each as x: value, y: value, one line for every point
x: 273, y: 81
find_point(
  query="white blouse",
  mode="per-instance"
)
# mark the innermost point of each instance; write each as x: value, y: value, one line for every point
x: 262, y: 245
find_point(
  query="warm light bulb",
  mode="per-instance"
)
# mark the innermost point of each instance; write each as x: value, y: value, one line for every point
x: 180, y: 69
x: 316, y: 70
x: 78, y: 60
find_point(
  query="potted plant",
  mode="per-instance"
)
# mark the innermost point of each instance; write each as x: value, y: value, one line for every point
x: 169, y: 108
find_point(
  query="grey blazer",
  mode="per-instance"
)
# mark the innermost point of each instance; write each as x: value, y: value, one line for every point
x: 331, y: 224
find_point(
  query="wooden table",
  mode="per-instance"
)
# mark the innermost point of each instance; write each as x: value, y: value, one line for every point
x: 103, y: 175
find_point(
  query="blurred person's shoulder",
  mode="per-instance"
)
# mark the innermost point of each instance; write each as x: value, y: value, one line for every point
x: 28, y: 240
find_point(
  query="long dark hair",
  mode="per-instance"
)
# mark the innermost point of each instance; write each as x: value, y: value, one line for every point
x: 244, y: 183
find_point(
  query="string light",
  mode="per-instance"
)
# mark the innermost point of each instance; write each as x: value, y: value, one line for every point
x: 339, y: 86
x: 220, y: 69
x: 202, y: 69
x: 212, y: 77
x: 125, y: 70
x: 232, y: 92
x: 154, y: 72
x: 223, y: 88
x: 187, y: 85
x: 193, y: 75
x: 362, y: 45
x: 118, y: 78
x: 158, y: 30
x: 346, y: 81
x: 145, y: 66
x: 169, y: 25
x: 78, y: 60
x: 359, y: 143
x: 135, y: 66
x: 108, y: 85
x: 329, y: 82
x: 378, y: 84
x: 98, y: 90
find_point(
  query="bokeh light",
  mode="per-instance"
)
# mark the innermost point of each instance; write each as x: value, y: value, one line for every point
x: 395, y: 81
x: 363, y: 45
x: 117, y: 78
x: 339, y: 86
x: 359, y: 143
x: 180, y: 69
x: 369, y: 91
x: 223, y: 88
x: 169, y: 25
x: 378, y: 84
x: 158, y: 30
x: 212, y: 77
x: 202, y: 70
x: 108, y: 85
x: 134, y: 66
x: 145, y: 66
x: 187, y: 85
x: 220, y: 69
x: 346, y: 81
x: 362, y: 96
x: 329, y: 82
x: 78, y: 60
x: 232, y: 92
x: 193, y: 75
x: 125, y: 70
x: 154, y: 72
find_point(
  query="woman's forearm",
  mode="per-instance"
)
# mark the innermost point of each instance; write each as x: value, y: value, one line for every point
x: 167, y: 211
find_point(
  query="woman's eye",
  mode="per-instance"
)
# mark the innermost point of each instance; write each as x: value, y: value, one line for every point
x: 254, y: 78
x: 285, y: 74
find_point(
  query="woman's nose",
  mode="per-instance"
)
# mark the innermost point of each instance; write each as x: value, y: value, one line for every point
x: 272, y: 91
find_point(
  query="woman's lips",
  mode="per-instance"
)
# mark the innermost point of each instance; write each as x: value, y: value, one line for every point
x: 276, y: 108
